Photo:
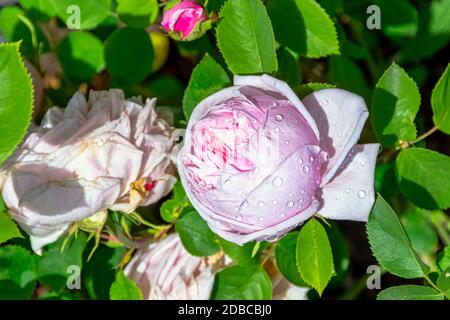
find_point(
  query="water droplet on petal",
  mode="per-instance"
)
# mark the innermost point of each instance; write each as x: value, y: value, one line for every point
x: 272, y: 238
x: 261, y: 218
x: 303, y: 191
x: 275, y: 202
x: 226, y: 182
x: 306, y: 169
x: 300, y: 160
x: 290, y: 204
x: 261, y: 204
x: 361, y: 194
x: 277, y: 130
x: 286, y: 142
x: 244, y: 204
x: 282, y: 215
x: 227, y: 195
x: 338, y: 197
x: 347, y: 190
x: 279, y: 117
x: 363, y: 163
x: 277, y: 182
x: 240, y: 192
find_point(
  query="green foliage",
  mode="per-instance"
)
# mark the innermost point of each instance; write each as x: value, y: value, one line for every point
x: 307, y: 88
x: 207, y: 78
x: 133, y: 64
x: 314, y: 255
x: 137, y: 13
x: 14, y: 104
x: 420, y: 231
x: 399, y: 18
x: 124, y: 289
x: 304, y: 27
x: 99, y: 272
x: 17, y: 273
x: 395, y: 103
x: 195, y: 235
x: 410, y: 292
x: 8, y: 228
x: 81, y: 55
x: 390, y: 244
x: 242, y: 283
x: 285, y: 256
x: 242, y: 255
x: 52, y: 267
x: 39, y: 9
x: 440, y: 101
x: 289, y: 68
x: 91, y: 13
x: 245, y: 37
x: 424, y: 177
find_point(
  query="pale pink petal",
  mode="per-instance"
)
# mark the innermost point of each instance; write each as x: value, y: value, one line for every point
x: 350, y: 194
x: 340, y: 116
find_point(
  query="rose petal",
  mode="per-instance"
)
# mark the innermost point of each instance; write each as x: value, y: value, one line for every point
x: 350, y: 195
x: 270, y: 83
x: 340, y: 116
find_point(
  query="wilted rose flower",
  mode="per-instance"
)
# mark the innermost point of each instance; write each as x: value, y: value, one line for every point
x: 166, y: 271
x: 105, y: 153
x: 184, y: 20
x: 257, y: 161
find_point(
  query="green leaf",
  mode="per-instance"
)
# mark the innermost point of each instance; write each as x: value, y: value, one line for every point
x: 443, y: 259
x: 410, y: 292
x: 304, y: 27
x: 390, y: 244
x: 440, y: 101
x: 81, y: 55
x: 240, y: 283
x: 289, y: 67
x: 15, y: 105
x: 341, y: 254
x: 245, y: 37
x: 285, y: 256
x: 17, y: 273
x: 134, y: 63
x: 39, y: 9
x: 307, y: 88
x: 422, y: 234
x: 53, y: 266
x: 92, y: 13
x: 137, y: 13
x: 195, y: 235
x: 424, y: 177
x: 399, y: 18
x: 99, y: 272
x: 346, y: 74
x: 242, y: 255
x: 395, y: 103
x: 207, y: 78
x: 314, y: 255
x: 124, y: 289
x: 443, y: 282
x: 8, y: 228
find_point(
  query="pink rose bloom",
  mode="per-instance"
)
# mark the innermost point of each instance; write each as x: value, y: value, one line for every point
x: 183, y: 19
x: 166, y: 271
x: 105, y: 153
x: 257, y: 161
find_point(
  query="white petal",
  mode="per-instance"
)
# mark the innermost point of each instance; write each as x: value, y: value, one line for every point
x: 350, y: 195
x: 340, y: 116
x: 38, y: 242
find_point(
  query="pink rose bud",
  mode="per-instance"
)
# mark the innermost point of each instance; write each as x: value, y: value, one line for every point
x: 105, y: 153
x: 166, y: 271
x: 257, y: 161
x: 184, y: 20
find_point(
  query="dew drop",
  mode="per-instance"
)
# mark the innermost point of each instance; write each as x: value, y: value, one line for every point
x: 363, y: 163
x: 290, y: 204
x: 261, y: 204
x: 275, y: 202
x: 227, y: 195
x: 361, y: 194
x: 240, y: 192
x: 261, y: 218
x: 338, y: 197
x: 311, y: 159
x: 306, y: 169
x: 244, y: 204
x: 300, y: 161
x: 277, y: 130
x: 277, y: 182
x: 286, y: 142
x: 279, y: 117
x: 303, y: 191
x: 347, y: 190
x: 226, y: 182
x: 282, y: 215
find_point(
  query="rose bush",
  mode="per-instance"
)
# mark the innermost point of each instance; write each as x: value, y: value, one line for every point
x: 184, y: 20
x: 104, y: 153
x: 257, y: 161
